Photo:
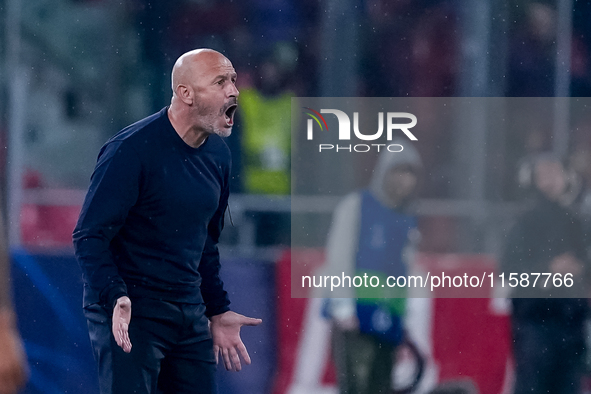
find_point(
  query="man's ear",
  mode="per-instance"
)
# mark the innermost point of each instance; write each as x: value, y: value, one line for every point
x: 185, y: 93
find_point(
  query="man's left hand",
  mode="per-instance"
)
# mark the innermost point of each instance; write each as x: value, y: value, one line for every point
x: 225, y: 330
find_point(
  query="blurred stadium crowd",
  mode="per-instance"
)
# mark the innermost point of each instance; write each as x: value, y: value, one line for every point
x: 74, y: 72
x: 95, y: 66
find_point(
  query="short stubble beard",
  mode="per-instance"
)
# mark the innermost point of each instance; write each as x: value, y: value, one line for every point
x: 210, y: 120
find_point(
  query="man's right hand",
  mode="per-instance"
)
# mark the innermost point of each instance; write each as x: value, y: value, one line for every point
x: 121, y: 319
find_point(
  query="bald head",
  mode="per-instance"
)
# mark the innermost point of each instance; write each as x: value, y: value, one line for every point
x: 204, y: 92
x: 191, y: 66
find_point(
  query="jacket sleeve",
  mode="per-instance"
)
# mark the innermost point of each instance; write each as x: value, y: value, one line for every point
x: 212, y: 288
x: 341, y: 249
x: 114, y: 189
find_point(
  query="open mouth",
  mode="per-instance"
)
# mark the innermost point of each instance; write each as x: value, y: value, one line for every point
x: 229, y: 114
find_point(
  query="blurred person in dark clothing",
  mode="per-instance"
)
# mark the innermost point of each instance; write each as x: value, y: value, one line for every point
x: 548, y: 339
x: 12, y: 357
x: 532, y: 52
x: 147, y: 236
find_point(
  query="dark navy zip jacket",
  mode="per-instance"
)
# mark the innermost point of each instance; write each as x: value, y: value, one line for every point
x: 152, y: 218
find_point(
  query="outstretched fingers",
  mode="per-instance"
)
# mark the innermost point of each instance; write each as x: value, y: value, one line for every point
x: 122, y: 337
x: 216, y: 353
x: 235, y: 359
x: 243, y: 353
x: 226, y: 357
x: 121, y: 320
x: 250, y: 321
x: 225, y: 329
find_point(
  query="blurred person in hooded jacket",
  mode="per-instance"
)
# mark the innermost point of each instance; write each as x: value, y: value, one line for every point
x: 548, y: 320
x: 372, y: 233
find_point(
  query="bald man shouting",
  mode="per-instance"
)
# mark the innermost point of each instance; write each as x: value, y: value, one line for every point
x: 146, y: 239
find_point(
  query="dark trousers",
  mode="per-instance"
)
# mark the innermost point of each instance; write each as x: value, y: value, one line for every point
x: 364, y: 363
x: 172, y: 350
x: 548, y: 357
